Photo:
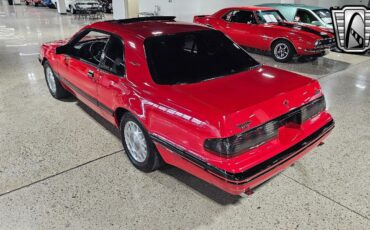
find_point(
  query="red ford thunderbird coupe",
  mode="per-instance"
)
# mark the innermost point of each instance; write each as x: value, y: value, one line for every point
x: 187, y: 95
x: 266, y: 29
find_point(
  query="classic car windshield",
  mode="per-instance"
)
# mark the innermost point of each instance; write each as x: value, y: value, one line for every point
x: 324, y: 14
x: 270, y: 16
x: 192, y: 57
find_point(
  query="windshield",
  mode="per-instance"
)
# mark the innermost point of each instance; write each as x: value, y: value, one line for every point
x: 324, y: 14
x: 192, y: 57
x: 270, y: 16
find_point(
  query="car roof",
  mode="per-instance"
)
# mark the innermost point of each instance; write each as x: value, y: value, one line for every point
x: 148, y: 27
x: 289, y: 5
x: 251, y: 8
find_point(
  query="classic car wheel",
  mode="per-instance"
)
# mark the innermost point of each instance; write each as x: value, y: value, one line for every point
x: 138, y: 146
x: 282, y: 51
x: 55, y: 88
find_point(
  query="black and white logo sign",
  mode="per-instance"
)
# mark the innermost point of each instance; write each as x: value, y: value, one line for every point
x: 352, y: 28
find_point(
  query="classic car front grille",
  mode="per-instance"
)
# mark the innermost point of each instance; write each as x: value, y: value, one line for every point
x: 326, y: 43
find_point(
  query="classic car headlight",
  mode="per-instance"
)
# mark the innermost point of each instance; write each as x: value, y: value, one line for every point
x: 317, y: 43
x: 242, y: 142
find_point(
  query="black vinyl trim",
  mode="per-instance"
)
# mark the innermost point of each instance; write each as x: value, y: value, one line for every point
x: 87, y: 96
x: 256, y: 171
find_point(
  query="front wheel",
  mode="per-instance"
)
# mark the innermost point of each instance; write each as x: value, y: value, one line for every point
x: 55, y: 88
x: 282, y: 51
x: 138, y: 146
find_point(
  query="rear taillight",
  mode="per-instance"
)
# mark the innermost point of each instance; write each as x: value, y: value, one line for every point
x: 312, y: 109
x: 255, y: 137
x: 243, y: 142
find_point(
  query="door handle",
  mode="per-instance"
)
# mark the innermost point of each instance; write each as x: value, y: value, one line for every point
x: 90, y: 74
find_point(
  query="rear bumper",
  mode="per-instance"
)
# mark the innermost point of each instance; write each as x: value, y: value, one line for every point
x: 237, y: 183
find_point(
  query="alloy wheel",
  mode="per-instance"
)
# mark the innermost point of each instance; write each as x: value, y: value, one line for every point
x: 135, y: 141
x: 51, y: 80
x: 281, y: 51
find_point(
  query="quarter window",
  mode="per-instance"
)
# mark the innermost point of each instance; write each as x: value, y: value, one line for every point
x: 113, y: 58
x: 240, y: 16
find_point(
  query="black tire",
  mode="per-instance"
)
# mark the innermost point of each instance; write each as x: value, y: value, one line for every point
x: 153, y: 160
x: 286, y: 45
x: 60, y: 92
x: 36, y: 4
x: 27, y: 3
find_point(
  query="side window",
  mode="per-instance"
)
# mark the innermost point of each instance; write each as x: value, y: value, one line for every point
x: 90, y: 46
x: 113, y: 58
x: 246, y: 17
x: 228, y: 16
x: 304, y: 16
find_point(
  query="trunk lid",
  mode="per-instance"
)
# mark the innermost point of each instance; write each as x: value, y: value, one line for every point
x: 249, y: 99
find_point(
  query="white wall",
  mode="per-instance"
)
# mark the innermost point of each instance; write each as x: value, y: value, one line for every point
x: 119, y: 10
x: 184, y: 10
x: 328, y: 4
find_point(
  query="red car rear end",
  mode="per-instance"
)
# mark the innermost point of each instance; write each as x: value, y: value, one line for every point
x: 202, y: 102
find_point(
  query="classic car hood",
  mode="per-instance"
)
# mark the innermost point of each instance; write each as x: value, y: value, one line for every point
x: 254, y: 96
x: 314, y: 31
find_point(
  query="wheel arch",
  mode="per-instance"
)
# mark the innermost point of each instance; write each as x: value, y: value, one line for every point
x: 44, y: 60
x: 118, y: 114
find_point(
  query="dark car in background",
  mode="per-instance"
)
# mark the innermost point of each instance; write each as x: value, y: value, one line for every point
x: 107, y: 5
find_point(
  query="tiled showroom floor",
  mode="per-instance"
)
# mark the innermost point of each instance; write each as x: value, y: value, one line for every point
x: 62, y: 166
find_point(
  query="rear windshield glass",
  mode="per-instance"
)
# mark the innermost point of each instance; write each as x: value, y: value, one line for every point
x: 194, y: 57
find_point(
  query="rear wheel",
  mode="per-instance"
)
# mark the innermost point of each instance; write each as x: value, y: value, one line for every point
x: 55, y: 88
x: 282, y: 51
x: 138, y: 145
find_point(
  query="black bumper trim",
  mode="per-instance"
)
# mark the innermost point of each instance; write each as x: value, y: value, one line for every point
x: 256, y: 171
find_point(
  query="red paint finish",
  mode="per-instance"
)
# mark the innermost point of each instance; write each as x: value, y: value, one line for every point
x: 187, y: 115
x: 33, y: 2
x: 262, y: 35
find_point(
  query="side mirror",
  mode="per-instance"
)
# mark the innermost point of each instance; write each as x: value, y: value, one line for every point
x: 62, y: 49
x: 316, y: 23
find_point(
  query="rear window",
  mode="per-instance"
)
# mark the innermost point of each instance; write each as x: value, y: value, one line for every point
x: 192, y: 57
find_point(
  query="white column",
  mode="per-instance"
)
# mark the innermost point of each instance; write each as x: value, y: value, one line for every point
x: 119, y: 9
x: 61, y: 5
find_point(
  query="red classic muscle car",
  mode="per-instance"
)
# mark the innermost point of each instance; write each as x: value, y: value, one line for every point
x: 33, y: 2
x: 266, y: 29
x: 188, y: 96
